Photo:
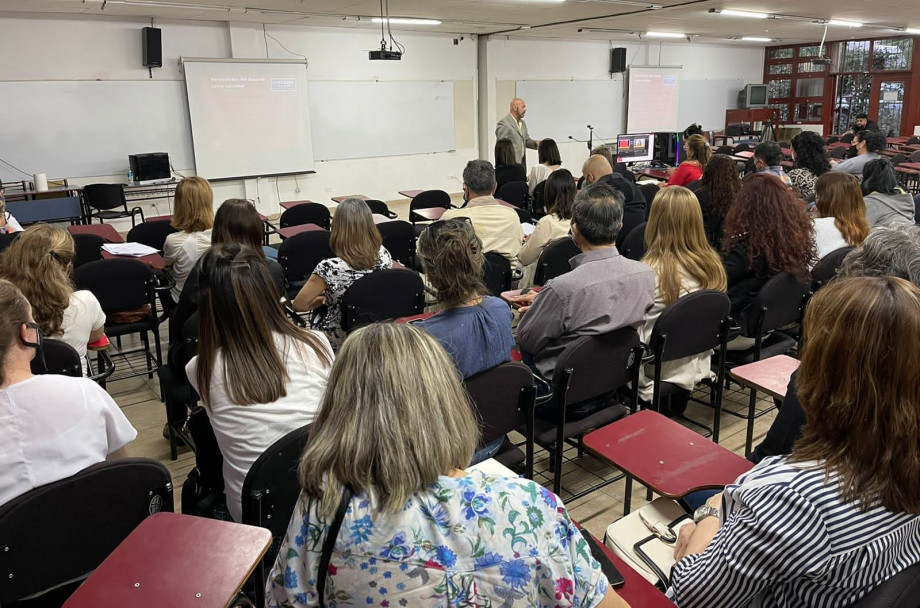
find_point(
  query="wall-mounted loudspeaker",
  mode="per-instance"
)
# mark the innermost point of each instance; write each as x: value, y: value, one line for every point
x: 153, y: 47
x: 617, y: 60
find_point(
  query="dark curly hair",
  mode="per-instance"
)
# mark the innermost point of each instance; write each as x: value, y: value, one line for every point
x: 767, y: 217
x: 809, y: 153
x: 721, y: 178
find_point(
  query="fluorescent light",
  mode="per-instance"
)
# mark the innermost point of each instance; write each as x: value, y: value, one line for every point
x: 646, y: 5
x: 756, y: 39
x: 665, y: 35
x: 734, y: 13
x: 844, y: 23
x: 406, y: 21
x: 912, y: 30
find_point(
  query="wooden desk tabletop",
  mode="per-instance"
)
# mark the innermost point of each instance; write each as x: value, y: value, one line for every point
x: 431, y: 214
x: 410, y: 193
x: 768, y: 375
x: 105, y: 231
x: 339, y: 199
x: 839, y: 144
x: 289, y: 204
x: 290, y: 231
x: 175, y: 560
x: 154, y: 260
x: 638, y: 592
x: 159, y: 218
x: 914, y: 166
x: 666, y: 456
x: 654, y: 173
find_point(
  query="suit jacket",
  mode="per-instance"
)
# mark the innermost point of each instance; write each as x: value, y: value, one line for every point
x: 633, y: 206
x: 507, y: 129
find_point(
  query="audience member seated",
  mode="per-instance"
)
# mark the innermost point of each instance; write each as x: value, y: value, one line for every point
x: 496, y: 225
x: 548, y: 155
x: 768, y: 158
x: 715, y: 192
x: 392, y: 446
x: 8, y: 223
x: 683, y: 262
x: 506, y: 170
x: 603, y: 292
x: 841, y: 220
x: 40, y: 263
x: 864, y: 124
x: 619, y: 168
x: 698, y: 155
x: 259, y: 376
x: 832, y: 521
x: 811, y: 162
x: 193, y: 217
x: 359, y: 251
x: 55, y: 426
x: 869, y: 146
x: 560, y: 194
x: 597, y: 169
x: 887, y: 202
x: 473, y: 328
x: 767, y: 231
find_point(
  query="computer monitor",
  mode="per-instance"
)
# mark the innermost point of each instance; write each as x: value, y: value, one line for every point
x: 635, y: 148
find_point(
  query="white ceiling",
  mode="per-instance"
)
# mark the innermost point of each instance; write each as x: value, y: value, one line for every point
x: 544, y: 19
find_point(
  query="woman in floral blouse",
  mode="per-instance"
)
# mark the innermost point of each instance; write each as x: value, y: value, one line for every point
x: 419, y: 530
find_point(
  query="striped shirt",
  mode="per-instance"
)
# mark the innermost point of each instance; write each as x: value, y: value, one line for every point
x: 786, y: 540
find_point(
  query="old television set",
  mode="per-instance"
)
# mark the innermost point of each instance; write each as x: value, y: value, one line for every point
x: 754, y: 96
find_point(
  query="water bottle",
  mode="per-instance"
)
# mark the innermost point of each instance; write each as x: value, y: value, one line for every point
x: 130, y: 177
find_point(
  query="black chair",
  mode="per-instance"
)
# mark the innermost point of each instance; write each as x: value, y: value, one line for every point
x: 634, y: 243
x: 539, y: 200
x: 87, y: 248
x: 380, y: 208
x: 778, y: 303
x: 725, y: 150
x: 832, y: 140
x: 847, y: 138
x: 152, y: 234
x: 496, y: 273
x: 514, y: 193
x: 897, y: 159
x: 84, y: 517
x: 504, y: 397
x: 839, y: 152
x: 179, y: 396
x: 269, y: 495
x: 524, y: 215
x: 695, y: 323
x: 741, y: 148
x: 110, y: 202
x: 900, y: 591
x: 649, y: 191
x: 399, y: 240
x: 554, y: 260
x: 58, y: 357
x: 590, y: 367
x: 123, y: 286
x: 915, y: 156
x: 300, y: 254
x: 914, y: 140
x: 826, y: 268
x: 7, y: 239
x: 306, y: 213
x: 427, y: 200
x: 381, y: 296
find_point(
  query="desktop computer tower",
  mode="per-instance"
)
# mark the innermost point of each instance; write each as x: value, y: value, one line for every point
x: 150, y: 168
x: 669, y: 148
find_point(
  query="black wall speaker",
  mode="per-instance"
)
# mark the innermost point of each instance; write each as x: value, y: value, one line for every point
x: 617, y: 60
x: 153, y: 47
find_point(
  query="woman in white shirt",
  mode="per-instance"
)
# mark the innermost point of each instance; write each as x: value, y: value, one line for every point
x: 40, y: 263
x: 259, y: 376
x: 841, y: 220
x: 548, y: 155
x: 193, y: 219
x: 684, y: 262
x: 53, y: 426
x: 559, y: 196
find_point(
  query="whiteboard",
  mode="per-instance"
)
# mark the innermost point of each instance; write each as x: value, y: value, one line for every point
x: 654, y: 100
x: 704, y: 102
x: 369, y: 119
x: 88, y: 128
x: 560, y: 108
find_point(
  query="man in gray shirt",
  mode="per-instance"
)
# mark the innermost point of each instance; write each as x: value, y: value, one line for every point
x: 869, y: 145
x: 603, y: 292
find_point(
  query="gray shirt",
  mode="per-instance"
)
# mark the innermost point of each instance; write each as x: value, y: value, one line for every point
x: 889, y: 209
x: 855, y: 165
x: 603, y: 292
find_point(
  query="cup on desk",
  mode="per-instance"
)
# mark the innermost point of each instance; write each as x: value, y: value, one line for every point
x: 40, y: 181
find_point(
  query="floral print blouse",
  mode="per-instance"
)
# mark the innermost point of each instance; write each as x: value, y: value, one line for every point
x: 474, y: 541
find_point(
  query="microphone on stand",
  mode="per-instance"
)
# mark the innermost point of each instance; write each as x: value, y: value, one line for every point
x: 590, y: 141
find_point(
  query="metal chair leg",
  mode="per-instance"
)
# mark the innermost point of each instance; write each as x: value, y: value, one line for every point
x: 627, y: 500
x: 749, y: 440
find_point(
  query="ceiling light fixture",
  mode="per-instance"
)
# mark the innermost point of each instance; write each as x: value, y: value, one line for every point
x: 843, y: 23
x: 912, y: 30
x: 653, y: 7
x: 405, y: 21
x: 733, y: 13
x: 755, y: 39
x: 665, y: 35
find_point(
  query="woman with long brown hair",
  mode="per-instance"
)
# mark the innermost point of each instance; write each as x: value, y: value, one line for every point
x: 258, y: 375
x: 192, y: 219
x: 767, y: 231
x: 826, y: 525
x: 716, y: 191
x: 683, y: 262
x: 40, y: 263
x: 698, y: 156
x: 559, y: 191
x: 359, y: 250
x: 841, y: 209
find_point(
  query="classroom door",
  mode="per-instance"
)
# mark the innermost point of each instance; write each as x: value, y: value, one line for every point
x: 889, y: 95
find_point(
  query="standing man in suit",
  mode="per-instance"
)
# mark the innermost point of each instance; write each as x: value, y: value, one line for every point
x: 513, y: 127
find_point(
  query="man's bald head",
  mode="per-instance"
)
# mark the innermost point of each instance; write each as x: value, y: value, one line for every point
x: 595, y: 168
x: 518, y: 108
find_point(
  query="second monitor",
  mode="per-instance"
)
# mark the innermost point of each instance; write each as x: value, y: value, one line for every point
x: 635, y: 148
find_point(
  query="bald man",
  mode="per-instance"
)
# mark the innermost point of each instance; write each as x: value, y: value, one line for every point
x: 597, y: 169
x: 514, y: 128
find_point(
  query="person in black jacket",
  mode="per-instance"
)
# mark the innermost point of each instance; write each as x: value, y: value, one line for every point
x: 506, y: 170
x: 598, y: 169
x: 864, y: 124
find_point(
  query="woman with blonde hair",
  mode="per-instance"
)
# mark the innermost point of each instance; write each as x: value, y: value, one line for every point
x: 193, y: 218
x: 841, y: 220
x: 684, y: 262
x: 698, y: 155
x: 359, y: 250
x: 419, y: 530
x: 259, y: 375
x: 40, y: 263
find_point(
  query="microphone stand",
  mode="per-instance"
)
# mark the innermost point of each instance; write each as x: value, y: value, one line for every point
x: 581, y: 141
x: 590, y: 138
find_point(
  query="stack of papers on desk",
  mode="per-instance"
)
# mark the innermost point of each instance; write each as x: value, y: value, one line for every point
x: 132, y: 249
